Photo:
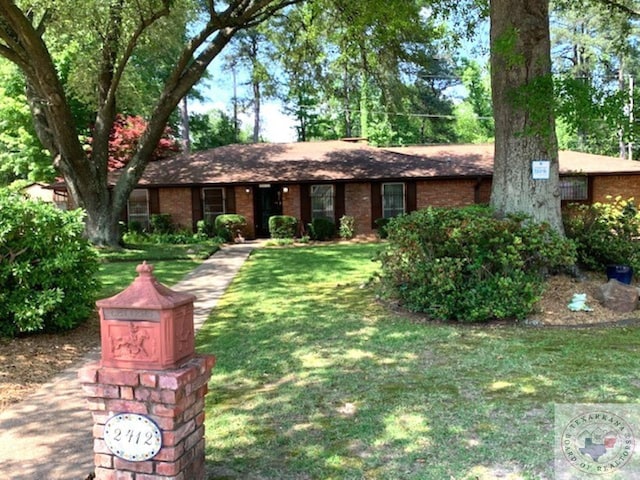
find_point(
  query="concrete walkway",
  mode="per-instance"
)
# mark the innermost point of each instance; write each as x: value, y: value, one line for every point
x: 48, y: 436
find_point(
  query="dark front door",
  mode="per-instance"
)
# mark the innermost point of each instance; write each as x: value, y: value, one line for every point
x: 268, y: 203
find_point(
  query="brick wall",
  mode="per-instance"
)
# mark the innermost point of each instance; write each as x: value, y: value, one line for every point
x: 244, y: 207
x: 626, y: 186
x: 446, y: 193
x: 291, y: 202
x: 357, y: 199
x: 177, y: 203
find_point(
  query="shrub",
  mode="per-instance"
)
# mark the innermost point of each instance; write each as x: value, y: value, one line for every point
x: 381, y: 227
x: 282, y: 226
x: 47, y: 272
x: 466, y: 265
x: 161, y: 223
x: 322, y: 229
x: 229, y: 225
x: 135, y: 227
x: 347, y: 227
x: 205, y: 229
x: 605, y: 233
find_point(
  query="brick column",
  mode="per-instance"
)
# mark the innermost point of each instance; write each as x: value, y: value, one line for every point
x: 173, y: 399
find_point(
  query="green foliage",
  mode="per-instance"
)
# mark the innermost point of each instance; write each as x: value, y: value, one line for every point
x: 229, y: 225
x: 161, y: 223
x: 474, y: 116
x: 347, y: 227
x: 282, y: 226
x: 205, y: 229
x: 605, y: 233
x: 322, y: 229
x: 47, y: 272
x: 21, y: 154
x: 181, y: 237
x: 213, y: 129
x: 464, y: 264
x: 381, y: 227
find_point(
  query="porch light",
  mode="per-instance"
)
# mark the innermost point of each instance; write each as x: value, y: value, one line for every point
x: 247, y: 190
x: 285, y: 189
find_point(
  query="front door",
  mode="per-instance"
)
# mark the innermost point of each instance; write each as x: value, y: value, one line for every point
x: 268, y: 203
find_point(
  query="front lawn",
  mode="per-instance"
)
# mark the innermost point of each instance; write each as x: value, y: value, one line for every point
x: 317, y: 380
x: 171, y: 263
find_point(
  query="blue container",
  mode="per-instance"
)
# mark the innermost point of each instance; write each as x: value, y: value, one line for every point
x: 622, y: 273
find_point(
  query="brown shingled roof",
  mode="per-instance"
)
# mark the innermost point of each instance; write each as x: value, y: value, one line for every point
x: 343, y: 161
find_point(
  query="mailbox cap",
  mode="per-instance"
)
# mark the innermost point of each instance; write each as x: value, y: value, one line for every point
x: 146, y: 292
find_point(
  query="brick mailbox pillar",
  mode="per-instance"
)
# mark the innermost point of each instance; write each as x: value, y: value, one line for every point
x: 146, y: 394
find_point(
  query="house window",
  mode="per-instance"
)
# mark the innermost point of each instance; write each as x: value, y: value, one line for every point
x: 392, y: 199
x: 322, y: 202
x: 138, y: 208
x: 574, y: 188
x: 213, y: 203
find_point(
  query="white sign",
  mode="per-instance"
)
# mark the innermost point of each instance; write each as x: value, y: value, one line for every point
x: 132, y: 437
x: 540, y: 169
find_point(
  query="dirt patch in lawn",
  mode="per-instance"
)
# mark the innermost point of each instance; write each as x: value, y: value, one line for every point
x: 30, y: 361
x: 552, y: 309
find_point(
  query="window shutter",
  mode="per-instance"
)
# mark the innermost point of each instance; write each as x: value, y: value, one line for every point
x: 411, y: 200
x: 305, y: 204
x: 376, y: 203
x: 154, y: 201
x: 230, y: 200
x: 339, y: 202
x: 196, y: 206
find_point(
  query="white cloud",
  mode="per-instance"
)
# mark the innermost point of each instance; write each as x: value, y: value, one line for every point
x: 276, y: 126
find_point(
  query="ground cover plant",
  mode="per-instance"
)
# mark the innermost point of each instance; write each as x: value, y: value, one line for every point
x: 315, y: 379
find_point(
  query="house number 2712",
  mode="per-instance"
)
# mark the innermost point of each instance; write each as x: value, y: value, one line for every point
x: 132, y: 437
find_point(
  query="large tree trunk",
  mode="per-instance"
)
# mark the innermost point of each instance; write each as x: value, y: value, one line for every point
x: 522, y: 92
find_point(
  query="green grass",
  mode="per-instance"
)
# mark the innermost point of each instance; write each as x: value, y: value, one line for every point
x: 171, y: 263
x: 317, y: 380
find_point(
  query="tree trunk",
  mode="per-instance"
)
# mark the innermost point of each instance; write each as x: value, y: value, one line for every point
x: 522, y: 92
x: 256, y: 111
x: 185, y: 134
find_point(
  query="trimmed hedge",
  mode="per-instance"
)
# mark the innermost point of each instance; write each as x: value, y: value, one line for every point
x: 466, y: 265
x: 48, y: 269
x: 322, y: 229
x: 229, y: 224
x: 282, y: 226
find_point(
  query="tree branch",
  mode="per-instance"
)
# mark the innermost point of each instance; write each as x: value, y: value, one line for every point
x: 620, y: 7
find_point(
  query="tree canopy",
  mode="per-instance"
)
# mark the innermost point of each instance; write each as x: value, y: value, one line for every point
x: 111, y: 37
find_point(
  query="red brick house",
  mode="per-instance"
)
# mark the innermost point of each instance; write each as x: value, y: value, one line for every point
x: 335, y: 178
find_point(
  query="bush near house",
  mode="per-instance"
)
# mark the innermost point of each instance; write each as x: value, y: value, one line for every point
x: 48, y: 269
x: 347, y: 227
x: 161, y: 223
x: 466, y: 265
x: 381, y: 227
x: 282, y: 226
x: 605, y: 233
x: 322, y: 229
x: 229, y: 225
